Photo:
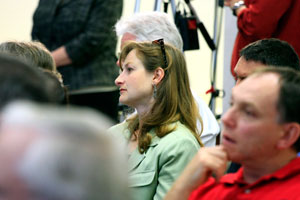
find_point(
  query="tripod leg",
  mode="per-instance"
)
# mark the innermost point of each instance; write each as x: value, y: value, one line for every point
x: 137, y: 6
x: 173, y: 6
x: 157, y: 5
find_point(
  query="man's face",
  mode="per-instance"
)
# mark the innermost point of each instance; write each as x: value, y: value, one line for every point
x: 251, y: 130
x: 244, y: 68
x: 126, y: 37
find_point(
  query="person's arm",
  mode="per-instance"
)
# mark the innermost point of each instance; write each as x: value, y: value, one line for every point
x: 208, y: 161
x: 261, y: 18
x: 93, y: 40
x: 61, y: 57
x: 231, y: 3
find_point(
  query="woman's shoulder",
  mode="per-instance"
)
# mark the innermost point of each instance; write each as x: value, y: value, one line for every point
x: 121, y: 126
x: 181, y: 131
x: 180, y: 135
x: 120, y: 130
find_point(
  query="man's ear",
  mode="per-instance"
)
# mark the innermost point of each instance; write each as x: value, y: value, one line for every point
x: 291, y: 134
x: 158, y: 75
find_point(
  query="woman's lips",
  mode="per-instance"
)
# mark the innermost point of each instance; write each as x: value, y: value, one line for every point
x: 122, y: 90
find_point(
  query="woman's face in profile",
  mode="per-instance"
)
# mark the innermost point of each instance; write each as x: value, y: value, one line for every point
x: 134, y: 82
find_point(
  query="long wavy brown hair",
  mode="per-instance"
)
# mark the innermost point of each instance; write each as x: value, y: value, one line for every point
x: 174, y: 100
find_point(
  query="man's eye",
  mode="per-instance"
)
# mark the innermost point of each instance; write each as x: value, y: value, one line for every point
x: 249, y: 113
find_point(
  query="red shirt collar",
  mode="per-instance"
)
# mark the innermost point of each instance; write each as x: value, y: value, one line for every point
x: 289, y: 170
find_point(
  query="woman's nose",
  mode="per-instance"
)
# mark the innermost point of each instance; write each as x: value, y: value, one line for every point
x: 119, y: 80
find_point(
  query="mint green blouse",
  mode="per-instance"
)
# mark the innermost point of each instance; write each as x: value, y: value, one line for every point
x: 152, y: 173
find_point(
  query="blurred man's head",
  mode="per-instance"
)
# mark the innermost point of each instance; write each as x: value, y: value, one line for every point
x: 263, y: 121
x: 57, y: 153
x: 265, y: 53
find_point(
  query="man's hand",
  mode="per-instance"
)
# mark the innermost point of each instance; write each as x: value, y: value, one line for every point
x: 230, y: 4
x: 208, y: 161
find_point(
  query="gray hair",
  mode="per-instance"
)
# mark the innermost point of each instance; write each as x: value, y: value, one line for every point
x: 149, y: 26
x: 32, y: 52
x: 72, y: 157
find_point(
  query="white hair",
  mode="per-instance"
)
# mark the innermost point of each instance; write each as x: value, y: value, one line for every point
x: 149, y: 26
x: 72, y: 157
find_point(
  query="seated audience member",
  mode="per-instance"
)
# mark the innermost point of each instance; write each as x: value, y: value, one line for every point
x: 57, y: 89
x: 150, y: 26
x: 54, y: 153
x: 264, y: 53
x: 19, y: 81
x: 262, y: 133
x: 162, y: 136
x: 36, y: 54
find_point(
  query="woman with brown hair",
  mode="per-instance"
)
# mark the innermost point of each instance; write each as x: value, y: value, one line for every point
x: 162, y: 137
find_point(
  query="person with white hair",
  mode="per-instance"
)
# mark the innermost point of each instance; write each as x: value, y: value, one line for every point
x: 59, y: 154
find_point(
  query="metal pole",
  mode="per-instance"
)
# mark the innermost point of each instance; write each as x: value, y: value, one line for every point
x: 137, y: 6
x: 216, y: 39
x: 157, y: 5
x: 173, y: 6
x: 214, y: 62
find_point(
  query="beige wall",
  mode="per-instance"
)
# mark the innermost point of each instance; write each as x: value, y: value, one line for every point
x: 16, y: 19
x: 16, y: 23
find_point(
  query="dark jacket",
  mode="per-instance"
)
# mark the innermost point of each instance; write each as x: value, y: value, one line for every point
x: 85, y: 28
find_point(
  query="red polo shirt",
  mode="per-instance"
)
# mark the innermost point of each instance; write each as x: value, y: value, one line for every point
x: 284, y: 184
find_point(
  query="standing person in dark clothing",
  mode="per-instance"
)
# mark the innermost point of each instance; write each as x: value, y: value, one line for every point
x: 80, y: 36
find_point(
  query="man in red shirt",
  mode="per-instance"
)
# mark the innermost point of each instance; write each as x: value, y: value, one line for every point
x: 264, y: 53
x: 261, y: 132
x: 265, y: 19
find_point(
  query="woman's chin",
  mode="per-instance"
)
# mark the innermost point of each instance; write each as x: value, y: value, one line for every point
x: 124, y: 101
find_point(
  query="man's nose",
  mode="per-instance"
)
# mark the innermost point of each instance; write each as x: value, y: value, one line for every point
x: 238, y: 81
x: 228, y: 119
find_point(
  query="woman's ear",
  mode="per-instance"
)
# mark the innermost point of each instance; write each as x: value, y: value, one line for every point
x: 158, y: 75
x: 290, y: 136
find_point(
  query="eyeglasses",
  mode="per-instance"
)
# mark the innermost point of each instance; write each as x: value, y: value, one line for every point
x: 162, y: 47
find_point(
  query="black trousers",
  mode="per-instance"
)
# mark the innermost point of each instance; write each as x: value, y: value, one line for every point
x: 105, y: 102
